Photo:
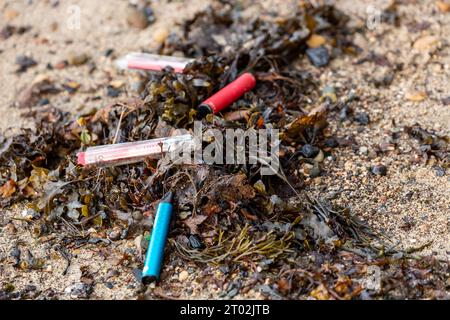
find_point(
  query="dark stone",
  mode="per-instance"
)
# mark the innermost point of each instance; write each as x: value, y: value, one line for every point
x: 79, y: 290
x: 384, y: 81
x: 309, y: 151
x: 409, y: 195
x: 379, y: 170
x: 24, y: 63
x: 150, y: 14
x: 109, y: 52
x: 30, y: 287
x: 343, y: 114
x: 99, y: 240
x: 362, y: 118
x: 91, y: 67
x: 112, y: 92
x: 319, y: 57
x: 396, y: 135
x: 43, y: 102
x: 232, y: 293
x: 331, y: 143
x: 112, y: 273
x: 440, y: 172
x: 225, y: 269
x: 195, y: 242
x: 114, y: 235
x: 15, y: 253
x: 109, y: 285
x: 137, y: 273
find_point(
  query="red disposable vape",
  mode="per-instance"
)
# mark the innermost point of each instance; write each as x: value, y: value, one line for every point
x: 227, y: 95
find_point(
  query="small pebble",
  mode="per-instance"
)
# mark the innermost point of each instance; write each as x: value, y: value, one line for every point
x: 15, y: 253
x: 30, y: 214
x: 114, y: 234
x: 24, y: 63
x: 343, y: 114
x: 61, y: 65
x: 315, y: 171
x: 91, y: 67
x: 160, y: 35
x: 137, y: 215
x: 183, y: 276
x: 43, y: 102
x: 30, y: 287
x: 195, y: 242
x: 109, y: 285
x: 184, y: 214
x: 137, y: 18
x: 319, y: 57
x: 363, y: 150
x: 232, y: 293
x: 150, y: 14
x: 362, y: 118
x: 316, y: 40
x: 71, y: 86
x: 243, y: 273
x: 309, y: 151
x: 137, y: 86
x: 79, y: 290
x: 372, y: 154
x: 416, y: 96
x: 440, y: 172
x: 137, y: 273
x: 108, y: 52
x: 425, y: 43
x: 112, y: 92
x: 383, y: 80
x: 319, y: 157
x: 225, y: 269
x: 379, y: 170
x: 112, y: 273
x: 77, y: 59
x: 329, y: 93
x: 331, y: 143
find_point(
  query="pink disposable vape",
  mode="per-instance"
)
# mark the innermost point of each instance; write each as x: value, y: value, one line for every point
x: 132, y: 152
x: 154, y: 62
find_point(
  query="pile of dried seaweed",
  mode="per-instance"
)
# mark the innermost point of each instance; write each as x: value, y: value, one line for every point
x: 225, y: 214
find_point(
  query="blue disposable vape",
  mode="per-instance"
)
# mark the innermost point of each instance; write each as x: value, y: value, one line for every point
x: 158, y: 238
